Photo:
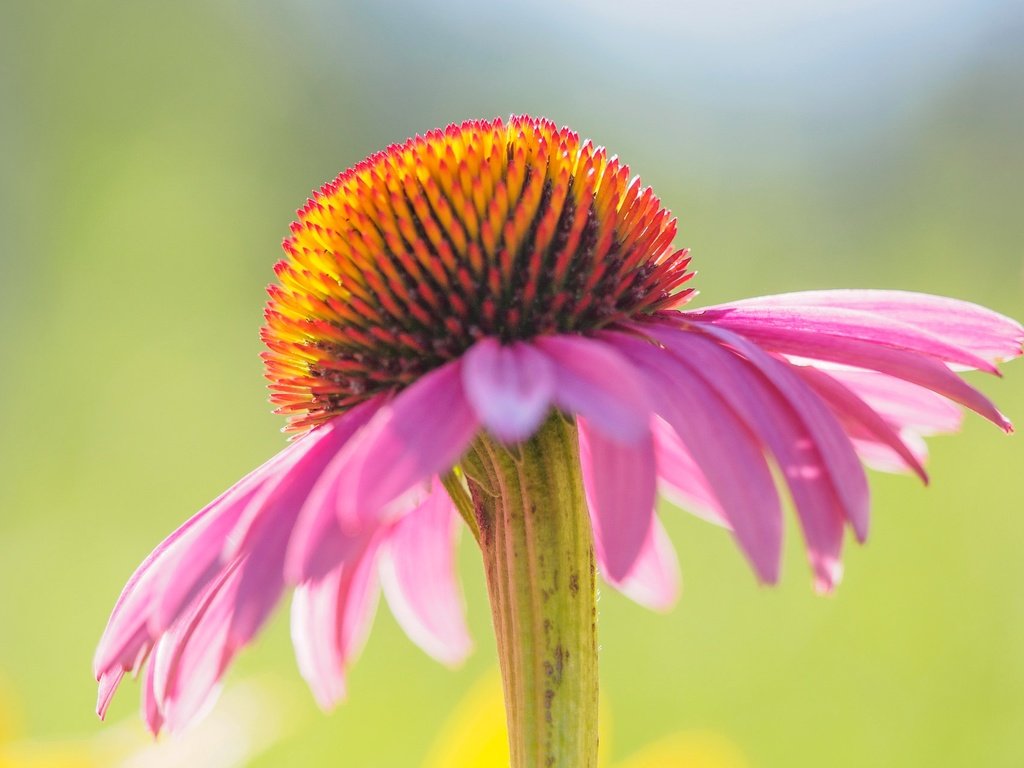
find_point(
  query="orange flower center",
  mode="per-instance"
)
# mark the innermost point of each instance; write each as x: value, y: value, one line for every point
x: 484, y: 229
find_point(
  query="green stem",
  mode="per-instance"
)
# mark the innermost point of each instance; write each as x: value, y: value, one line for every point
x: 534, y: 532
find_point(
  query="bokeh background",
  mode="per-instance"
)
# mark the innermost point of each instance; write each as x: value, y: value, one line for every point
x: 152, y: 155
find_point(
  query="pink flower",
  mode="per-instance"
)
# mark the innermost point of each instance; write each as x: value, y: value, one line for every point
x: 477, y: 279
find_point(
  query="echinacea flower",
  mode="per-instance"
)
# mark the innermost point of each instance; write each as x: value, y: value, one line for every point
x: 488, y: 322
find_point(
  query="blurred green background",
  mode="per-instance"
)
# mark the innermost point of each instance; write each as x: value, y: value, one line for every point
x: 152, y: 157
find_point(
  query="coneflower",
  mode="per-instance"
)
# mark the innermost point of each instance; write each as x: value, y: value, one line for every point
x: 487, y: 322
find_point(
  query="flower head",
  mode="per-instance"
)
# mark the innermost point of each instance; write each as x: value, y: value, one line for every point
x: 483, y: 230
x: 471, y: 282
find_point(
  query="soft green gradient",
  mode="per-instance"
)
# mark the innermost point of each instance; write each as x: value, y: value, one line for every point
x: 153, y: 155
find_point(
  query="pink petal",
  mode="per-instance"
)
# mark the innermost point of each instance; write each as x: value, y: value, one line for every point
x: 177, y: 565
x: 262, y: 535
x: 918, y: 369
x: 319, y: 545
x: 195, y: 562
x: 827, y: 322
x: 827, y: 434
x: 151, y: 713
x: 853, y: 410
x: 774, y: 421
x: 989, y: 334
x: 417, y: 572
x: 621, y: 483
x: 723, y: 448
x: 682, y: 481
x: 193, y: 655
x: 108, y: 686
x: 510, y: 387
x: 902, y: 404
x: 330, y: 621
x: 883, y: 458
x: 596, y: 382
x: 421, y: 433
x: 654, y: 580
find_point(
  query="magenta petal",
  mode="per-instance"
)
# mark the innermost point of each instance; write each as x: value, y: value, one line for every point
x: 654, y: 579
x: 195, y: 561
x: 263, y: 534
x: 621, y: 484
x: 857, y: 413
x: 179, y: 566
x: 510, y: 387
x: 199, y: 554
x: 330, y: 621
x: 417, y: 569
x: 767, y: 413
x: 681, y: 481
x: 421, y: 433
x: 724, y: 449
x: 828, y: 436
x: 915, y: 368
x: 795, y: 323
x: 597, y: 383
x: 988, y: 334
x: 902, y: 404
x: 193, y: 655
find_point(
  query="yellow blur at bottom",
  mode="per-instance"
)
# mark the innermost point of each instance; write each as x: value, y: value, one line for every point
x: 250, y: 718
x: 475, y: 737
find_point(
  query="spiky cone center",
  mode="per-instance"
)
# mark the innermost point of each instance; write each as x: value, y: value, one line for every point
x: 508, y: 230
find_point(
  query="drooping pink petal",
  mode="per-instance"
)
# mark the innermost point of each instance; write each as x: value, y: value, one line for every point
x: 510, y: 387
x: 151, y: 713
x: 920, y: 369
x: 779, y: 428
x: 988, y: 334
x: 654, y: 579
x: 854, y: 411
x: 828, y: 322
x: 620, y: 482
x: 902, y: 404
x: 195, y: 561
x: 181, y: 564
x: 421, y: 433
x: 194, y: 653
x: 108, y: 686
x: 263, y: 533
x: 417, y: 570
x: 724, y: 449
x: 681, y: 481
x: 827, y: 434
x: 331, y: 618
x: 880, y: 456
x: 596, y: 382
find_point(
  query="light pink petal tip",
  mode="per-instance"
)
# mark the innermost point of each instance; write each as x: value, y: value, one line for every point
x: 331, y: 618
x: 510, y: 387
x: 654, y: 580
x: 620, y: 483
x: 680, y: 480
x: 417, y: 568
x: 192, y: 657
